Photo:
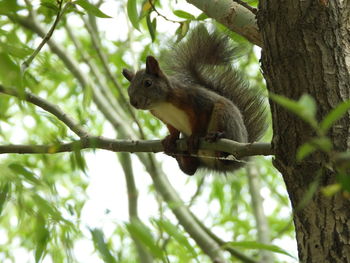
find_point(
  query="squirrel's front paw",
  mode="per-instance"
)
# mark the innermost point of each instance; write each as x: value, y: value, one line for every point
x: 214, y: 136
x: 169, y: 145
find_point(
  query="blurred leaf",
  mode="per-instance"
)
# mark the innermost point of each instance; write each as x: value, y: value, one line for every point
x: 334, y: 115
x: 87, y: 96
x: 305, y: 150
x: 173, y: 232
x: 78, y: 157
x: 19, y: 169
x: 146, y: 6
x: 344, y: 180
x: 15, y: 50
x: 10, y: 73
x: 260, y: 246
x: 331, y: 190
x: 305, y: 108
x: 101, y: 245
x: 184, y: 14
x: 42, y: 235
x: 91, y: 9
x: 46, y: 207
x: 133, y: 14
x: 320, y: 143
x: 49, y: 4
x: 141, y: 232
x: 4, y: 193
x: 313, y: 187
x: 8, y: 7
x: 146, y: 9
x: 182, y: 30
x: 309, y: 105
x: 152, y: 27
x: 202, y: 16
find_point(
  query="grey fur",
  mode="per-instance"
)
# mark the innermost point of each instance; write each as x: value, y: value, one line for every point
x: 206, y: 58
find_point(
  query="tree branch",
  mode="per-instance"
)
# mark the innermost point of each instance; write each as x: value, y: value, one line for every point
x: 47, y: 37
x: 103, y: 58
x: 47, y: 106
x: 232, y: 15
x: 262, y: 226
x: 239, y: 150
x: 161, y: 15
x: 116, y: 118
x: 246, y: 5
x: 125, y: 160
x: 162, y: 185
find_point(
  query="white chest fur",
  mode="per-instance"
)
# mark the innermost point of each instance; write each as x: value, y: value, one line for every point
x: 174, y: 116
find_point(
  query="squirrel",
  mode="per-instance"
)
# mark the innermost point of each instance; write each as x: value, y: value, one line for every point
x: 202, y: 95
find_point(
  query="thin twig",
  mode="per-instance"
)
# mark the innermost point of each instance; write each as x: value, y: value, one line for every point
x: 198, y: 191
x: 246, y: 5
x: 110, y: 75
x: 262, y: 226
x: 29, y: 60
x: 234, y: 252
x: 161, y: 15
x: 98, y: 76
x: 49, y: 107
x: 116, y: 118
x: 235, y: 148
x: 161, y: 183
x: 94, y: 142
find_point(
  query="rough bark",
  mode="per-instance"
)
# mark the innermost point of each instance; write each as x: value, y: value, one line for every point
x: 306, y: 49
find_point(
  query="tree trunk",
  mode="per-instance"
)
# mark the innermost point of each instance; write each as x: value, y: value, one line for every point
x: 306, y: 49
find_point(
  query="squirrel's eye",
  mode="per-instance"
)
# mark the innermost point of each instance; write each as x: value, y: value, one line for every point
x: 148, y: 83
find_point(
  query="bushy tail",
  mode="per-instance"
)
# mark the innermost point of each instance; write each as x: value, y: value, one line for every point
x: 205, y: 58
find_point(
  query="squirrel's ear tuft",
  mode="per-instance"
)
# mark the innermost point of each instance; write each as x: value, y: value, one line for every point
x: 152, y: 66
x: 128, y: 74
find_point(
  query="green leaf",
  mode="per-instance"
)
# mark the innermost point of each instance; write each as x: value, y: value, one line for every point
x: 78, y: 157
x: 10, y: 72
x: 305, y: 108
x: 141, y: 232
x: 101, y: 245
x: 4, y: 193
x: 182, y: 30
x: 173, y: 232
x: 42, y: 235
x: 331, y: 190
x: 91, y: 9
x: 344, y: 180
x: 321, y: 143
x: 133, y: 14
x: 313, y: 187
x: 184, y: 14
x: 46, y: 207
x: 308, y: 104
x: 48, y: 4
x: 19, y: 169
x: 19, y: 51
x: 151, y: 27
x: 146, y: 9
x: 257, y: 245
x: 334, y: 115
x: 87, y: 96
x: 202, y: 16
x: 8, y: 7
x: 305, y: 150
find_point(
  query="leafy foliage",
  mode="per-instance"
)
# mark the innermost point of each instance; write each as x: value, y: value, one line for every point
x: 43, y: 197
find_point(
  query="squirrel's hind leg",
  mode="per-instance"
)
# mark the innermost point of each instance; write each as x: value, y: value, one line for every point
x: 187, y: 164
